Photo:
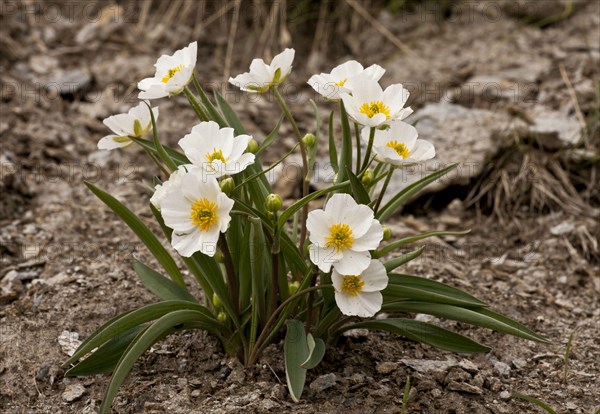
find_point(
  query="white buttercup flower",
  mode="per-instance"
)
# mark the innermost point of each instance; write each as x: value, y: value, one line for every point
x: 371, y: 106
x: 360, y: 294
x: 262, y: 76
x: 173, y: 183
x: 342, y: 235
x: 197, y: 211
x: 330, y: 85
x: 173, y: 74
x: 398, y: 144
x: 135, y: 123
x: 216, y: 150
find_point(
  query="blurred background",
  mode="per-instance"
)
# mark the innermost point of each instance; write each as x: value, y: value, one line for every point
x: 508, y: 89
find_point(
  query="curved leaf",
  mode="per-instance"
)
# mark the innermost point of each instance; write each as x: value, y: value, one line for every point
x: 405, y: 258
x: 162, y: 287
x: 295, y: 350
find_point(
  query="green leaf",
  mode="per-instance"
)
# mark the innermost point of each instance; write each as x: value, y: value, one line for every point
x: 295, y: 351
x: 213, y: 113
x: 162, y: 287
x: 346, y: 153
x: 122, y: 323
x: 405, y: 258
x: 423, y: 332
x: 316, y: 352
x: 333, y: 157
x: 105, y: 358
x: 307, y: 199
x: 421, y: 289
x: 179, y: 158
x: 412, y: 239
x: 537, y: 402
x: 229, y: 114
x: 269, y: 138
x: 155, y: 332
x: 159, y: 148
x: 142, y: 231
x: 358, y: 190
x: 399, y: 199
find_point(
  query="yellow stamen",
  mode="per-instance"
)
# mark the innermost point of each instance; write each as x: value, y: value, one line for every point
x: 216, y: 155
x: 352, y: 285
x: 342, y: 82
x: 399, y: 147
x: 171, y: 73
x: 204, y: 214
x: 373, y: 108
x: 340, y: 237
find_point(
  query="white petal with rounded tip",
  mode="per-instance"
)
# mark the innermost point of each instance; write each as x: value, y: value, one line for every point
x: 352, y: 262
x: 318, y: 224
x: 424, y: 150
x: 364, y: 305
x: 120, y: 124
x: 371, y: 238
x: 108, y: 143
x: 323, y: 257
x: 154, y: 92
x: 403, y: 133
x: 374, y: 72
x: 375, y: 277
x: 283, y: 61
x: 395, y: 96
x: 240, y: 143
x: 346, y: 70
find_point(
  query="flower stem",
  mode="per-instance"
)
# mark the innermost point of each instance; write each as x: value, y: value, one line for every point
x: 385, y: 185
x: 357, y: 136
x: 369, y: 149
x: 230, y: 270
x: 195, y: 105
x: 305, y: 183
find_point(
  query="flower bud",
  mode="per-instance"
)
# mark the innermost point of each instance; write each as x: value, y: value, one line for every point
x: 227, y: 185
x: 293, y: 287
x: 273, y: 203
x: 387, y: 233
x: 252, y: 146
x: 367, y: 177
x: 222, y: 317
x: 309, y: 140
x: 216, y: 301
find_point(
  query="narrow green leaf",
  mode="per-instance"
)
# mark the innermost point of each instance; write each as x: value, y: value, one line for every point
x: 316, y: 352
x: 295, y: 351
x: 159, y: 148
x: 423, y: 332
x: 142, y: 231
x: 229, y: 114
x: 412, y: 239
x: 271, y: 137
x: 105, y: 358
x: 179, y: 158
x: 399, y: 199
x: 162, y: 287
x: 307, y: 199
x: 333, y: 157
x: 155, y: 332
x: 358, y: 190
x: 346, y: 152
x: 537, y: 402
x: 405, y: 258
x: 213, y: 113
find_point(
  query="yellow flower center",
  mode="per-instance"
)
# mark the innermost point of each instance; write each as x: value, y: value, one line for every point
x: 171, y: 73
x: 342, y: 82
x: 340, y: 237
x: 399, y: 147
x: 215, y: 155
x: 373, y: 108
x: 204, y: 214
x: 352, y: 285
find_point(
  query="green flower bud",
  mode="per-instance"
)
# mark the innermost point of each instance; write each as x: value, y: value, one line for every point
x: 219, y: 256
x: 222, y: 317
x: 387, y: 233
x: 293, y: 287
x: 367, y: 177
x: 227, y: 185
x: 216, y: 301
x: 273, y: 203
x: 252, y: 146
x: 309, y: 140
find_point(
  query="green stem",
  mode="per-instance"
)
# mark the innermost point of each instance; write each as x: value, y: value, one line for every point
x: 357, y: 136
x: 385, y: 186
x: 195, y: 105
x: 230, y: 270
x: 369, y: 149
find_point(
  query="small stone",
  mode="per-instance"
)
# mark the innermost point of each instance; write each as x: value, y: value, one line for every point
x: 424, y: 366
x: 386, y: 367
x: 237, y: 376
x: 562, y: 228
x: 196, y: 393
x: 457, y: 374
x: 464, y: 387
x: 435, y: 393
x: 323, y: 382
x: 468, y: 366
x: 73, y: 392
x: 278, y: 392
x: 571, y: 405
x: 70, y: 82
x: 69, y: 342
x: 519, y: 363
x: 502, y: 368
x: 504, y: 395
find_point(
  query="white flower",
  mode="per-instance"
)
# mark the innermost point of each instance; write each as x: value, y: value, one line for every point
x: 216, y: 150
x: 398, y: 144
x: 359, y: 294
x: 371, y: 106
x: 173, y: 183
x: 197, y: 212
x: 342, y: 235
x: 135, y: 123
x: 330, y: 85
x: 262, y: 76
x: 173, y: 73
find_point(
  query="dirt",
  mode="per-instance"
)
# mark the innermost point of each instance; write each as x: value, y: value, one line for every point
x: 66, y: 259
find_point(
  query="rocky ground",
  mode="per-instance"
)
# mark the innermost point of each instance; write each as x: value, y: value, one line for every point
x: 483, y: 76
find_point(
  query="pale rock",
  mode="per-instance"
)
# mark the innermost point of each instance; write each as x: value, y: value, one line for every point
x: 323, y: 382
x: 73, y: 392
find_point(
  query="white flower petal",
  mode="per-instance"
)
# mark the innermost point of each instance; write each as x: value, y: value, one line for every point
x: 364, y: 305
x: 352, y: 262
x: 318, y: 224
x: 154, y: 92
x: 370, y: 239
x: 375, y: 277
x: 423, y: 150
x: 374, y: 72
x: 282, y: 61
x: 108, y: 143
x: 323, y: 257
x: 120, y: 124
